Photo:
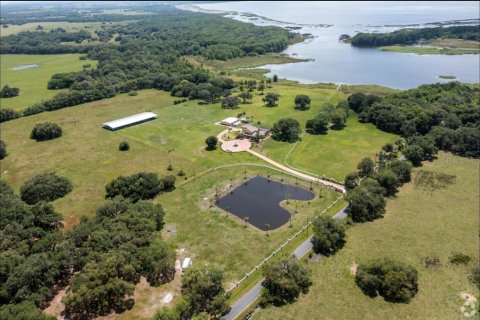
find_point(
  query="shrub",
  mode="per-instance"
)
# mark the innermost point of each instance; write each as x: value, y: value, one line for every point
x: 8, y: 114
x: 351, y: 181
x: 45, y: 187
x: 8, y: 92
x: 139, y: 186
x: 46, y: 131
x: 123, y: 146
x: 329, y: 235
x: 432, y: 262
x: 211, y: 143
x: 133, y: 93
x: 395, y: 281
x: 181, y: 173
x: 3, y: 150
x: 459, y: 258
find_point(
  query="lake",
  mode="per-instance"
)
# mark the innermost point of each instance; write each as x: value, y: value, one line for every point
x: 341, y: 63
x: 259, y: 199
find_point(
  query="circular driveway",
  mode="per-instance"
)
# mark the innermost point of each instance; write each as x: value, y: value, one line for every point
x: 237, y: 145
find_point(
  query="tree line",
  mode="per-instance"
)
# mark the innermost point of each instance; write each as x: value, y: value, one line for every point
x: 101, y: 259
x: 436, y: 116
x: 411, y: 36
x: 148, y: 54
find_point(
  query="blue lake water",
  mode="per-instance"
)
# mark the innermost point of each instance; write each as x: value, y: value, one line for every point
x: 339, y: 62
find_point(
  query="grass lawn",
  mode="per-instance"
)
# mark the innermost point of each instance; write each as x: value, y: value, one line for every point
x: 428, y: 50
x: 333, y: 155
x: 33, y: 82
x: 418, y: 223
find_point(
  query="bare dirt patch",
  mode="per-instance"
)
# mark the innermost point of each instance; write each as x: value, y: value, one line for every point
x: 353, y: 269
x: 56, y: 307
x: 468, y: 297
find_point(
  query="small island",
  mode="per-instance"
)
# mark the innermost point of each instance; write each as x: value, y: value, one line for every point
x: 440, y: 40
x: 447, y: 77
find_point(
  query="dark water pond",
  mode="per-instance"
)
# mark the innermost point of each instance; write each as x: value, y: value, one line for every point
x: 259, y: 200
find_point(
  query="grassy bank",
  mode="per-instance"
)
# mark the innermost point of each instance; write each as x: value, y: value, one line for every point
x: 419, y: 223
x: 333, y: 155
x: 428, y: 50
x: 33, y: 82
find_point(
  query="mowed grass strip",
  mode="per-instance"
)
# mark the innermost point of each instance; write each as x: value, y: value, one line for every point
x: 419, y: 223
x: 33, y: 82
x: 335, y: 154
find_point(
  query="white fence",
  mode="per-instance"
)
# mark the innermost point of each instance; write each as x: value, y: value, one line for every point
x: 295, y: 235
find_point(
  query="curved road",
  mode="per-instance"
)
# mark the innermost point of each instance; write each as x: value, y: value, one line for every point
x: 305, y: 176
x: 252, y: 295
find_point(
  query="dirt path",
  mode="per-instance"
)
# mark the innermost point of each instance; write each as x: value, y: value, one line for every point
x: 305, y: 176
x: 327, y: 183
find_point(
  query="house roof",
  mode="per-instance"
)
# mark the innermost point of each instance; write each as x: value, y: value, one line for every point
x: 119, y: 123
x: 249, y: 127
x: 230, y: 120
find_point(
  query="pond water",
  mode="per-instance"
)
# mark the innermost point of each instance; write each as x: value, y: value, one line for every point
x: 259, y: 199
x: 25, y: 66
x: 338, y: 62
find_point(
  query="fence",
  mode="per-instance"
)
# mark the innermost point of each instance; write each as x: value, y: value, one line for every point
x: 283, y: 245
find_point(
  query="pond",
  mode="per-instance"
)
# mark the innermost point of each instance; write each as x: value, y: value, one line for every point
x: 259, y: 199
x: 25, y: 66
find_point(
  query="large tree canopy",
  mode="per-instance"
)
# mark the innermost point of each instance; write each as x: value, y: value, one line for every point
x: 284, y: 281
x: 393, y: 280
x: 287, y: 129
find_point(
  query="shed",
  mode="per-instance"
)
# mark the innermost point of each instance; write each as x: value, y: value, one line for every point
x: 187, y: 262
x: 129, y: 121
x: 230, y: 121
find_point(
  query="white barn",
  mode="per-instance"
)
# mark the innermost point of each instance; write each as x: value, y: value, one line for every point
x: 129, y: 121
x: 231, y: 122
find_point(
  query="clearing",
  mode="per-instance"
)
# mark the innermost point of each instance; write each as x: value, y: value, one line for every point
x: 419, y: 223
x: 32, y: 82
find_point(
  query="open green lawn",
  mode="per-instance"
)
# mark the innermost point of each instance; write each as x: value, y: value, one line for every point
x: 333, y: 155
x: 33, y: 82
x: 418, y: 223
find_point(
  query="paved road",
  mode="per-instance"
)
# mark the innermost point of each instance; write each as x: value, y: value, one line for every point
x: 251, y: 295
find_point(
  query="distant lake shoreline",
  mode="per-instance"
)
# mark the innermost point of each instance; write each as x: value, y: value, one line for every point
x: 332, y: 61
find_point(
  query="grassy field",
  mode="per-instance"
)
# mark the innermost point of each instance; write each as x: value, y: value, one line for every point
x: 333, y: 155
x: 418, y: 223
x: 428, y: 50
x: 47, y: 26
x: 88, y: 155
x: 33, y: 82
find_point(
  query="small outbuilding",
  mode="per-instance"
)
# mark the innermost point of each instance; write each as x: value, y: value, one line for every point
x: 187, y: 262
x: 129, y: 121
x: 231, y: 122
